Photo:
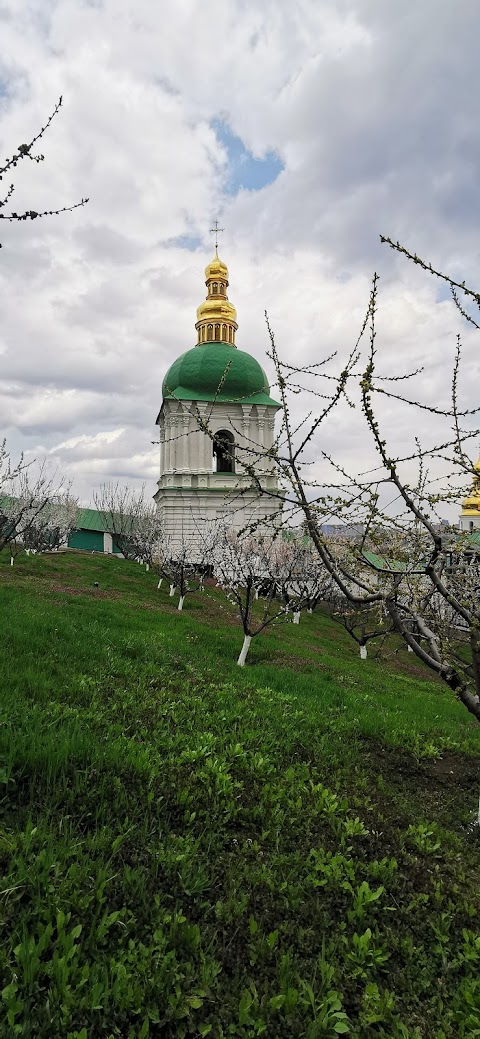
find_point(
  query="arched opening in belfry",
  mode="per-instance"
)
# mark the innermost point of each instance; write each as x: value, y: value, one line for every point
x: 224, y: 451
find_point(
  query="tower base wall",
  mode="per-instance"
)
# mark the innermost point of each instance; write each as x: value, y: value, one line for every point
x: 187, y: 514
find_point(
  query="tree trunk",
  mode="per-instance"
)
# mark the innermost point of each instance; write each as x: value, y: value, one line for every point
x: 363, y: 652
x: 181, y: 602
x: 245, y: 648
x: 296, y: 617
x: 147, y: 567
x: 12, y: 560
x: 172, y: 590
x: 159, y: 585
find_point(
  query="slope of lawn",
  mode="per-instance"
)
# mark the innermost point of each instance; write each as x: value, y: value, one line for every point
x: 188, y: 848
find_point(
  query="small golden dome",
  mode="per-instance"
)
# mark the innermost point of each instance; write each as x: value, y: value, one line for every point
x: 216, y: 269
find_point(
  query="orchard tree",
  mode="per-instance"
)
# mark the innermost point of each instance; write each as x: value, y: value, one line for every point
x: 253, y: 570
x: 132, y: 522
x: 432, y: 601
x: 438, y: 579
x: 185, y: 561
x: 53, y: 527
x: 30, y: 504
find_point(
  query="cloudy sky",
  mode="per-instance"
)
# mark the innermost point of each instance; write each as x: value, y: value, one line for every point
x: 307, y: 128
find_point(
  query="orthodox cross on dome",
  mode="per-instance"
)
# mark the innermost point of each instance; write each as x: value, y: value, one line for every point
x: 215, y: 230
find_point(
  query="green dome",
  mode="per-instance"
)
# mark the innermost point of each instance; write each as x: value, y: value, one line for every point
x: 197, y: 374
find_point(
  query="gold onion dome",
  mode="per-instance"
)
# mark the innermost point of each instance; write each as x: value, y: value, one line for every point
x: 216, y: 317
x: 216, y: 269
x: 471, y: 504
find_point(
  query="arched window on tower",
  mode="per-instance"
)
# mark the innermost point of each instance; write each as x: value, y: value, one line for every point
x: 209, y: 333
x: 217, y: 331
x: 215, y: 288
x: 224, y: 334
x: 224, y: 451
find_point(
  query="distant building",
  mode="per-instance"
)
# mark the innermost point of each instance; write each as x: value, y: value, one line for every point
x: 470, y: 514
x: 90, y: 535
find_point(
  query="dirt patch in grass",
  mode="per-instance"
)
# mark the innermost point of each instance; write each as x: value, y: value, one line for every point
x: 96, y: 593
x: 445, y: 788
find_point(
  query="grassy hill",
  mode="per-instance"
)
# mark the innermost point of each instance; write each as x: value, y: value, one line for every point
x: 193, y: 849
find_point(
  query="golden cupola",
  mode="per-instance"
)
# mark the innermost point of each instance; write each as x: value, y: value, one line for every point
x: 216, y: 317
x: 471, y: 505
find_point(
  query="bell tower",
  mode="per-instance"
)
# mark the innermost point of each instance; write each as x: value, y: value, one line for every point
x: 217, y: 418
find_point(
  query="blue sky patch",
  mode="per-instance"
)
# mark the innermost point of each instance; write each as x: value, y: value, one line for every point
x: 185, y: 241
x: 244, y: 170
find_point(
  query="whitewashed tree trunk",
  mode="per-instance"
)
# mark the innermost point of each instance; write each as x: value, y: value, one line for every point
x: 256, y: 593
x: 172, y: 590
x: 159, y: 585
x: 296, y: 617
x: 245, y: 648
x: 12, y: 560
x: 181, y: 602
x: 363, y: 652
x: 309, y: 610
x: 410, y: 650
x: 147, y: 567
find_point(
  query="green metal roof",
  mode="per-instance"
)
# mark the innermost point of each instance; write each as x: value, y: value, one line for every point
x: 198, y: 373
x: 395, y: 566
x: 89, y: 519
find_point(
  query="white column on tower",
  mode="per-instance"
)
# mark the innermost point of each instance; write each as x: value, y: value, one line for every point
x: 184, y: 442
x: 162, y: 449
x: 245, y: 427
x: 203, y: 441
x: 166, y: 446
x: 173, y: 444
x: 261, y: 417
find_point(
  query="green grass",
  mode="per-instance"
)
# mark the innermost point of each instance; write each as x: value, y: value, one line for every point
x: 189, y: 848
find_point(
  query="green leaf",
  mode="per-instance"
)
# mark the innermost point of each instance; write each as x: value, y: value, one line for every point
x: 195, y: 1001
x: 341, y: 1027
x: 276, y: 1002
x: 246, y: 1001
x: 9, y: 991
x: 76, y: 931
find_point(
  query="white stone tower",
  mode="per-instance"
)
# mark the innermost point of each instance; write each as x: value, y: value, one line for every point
x: 203, y: 479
